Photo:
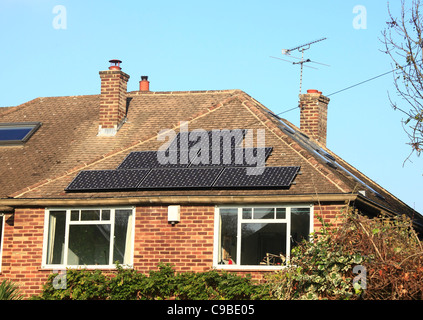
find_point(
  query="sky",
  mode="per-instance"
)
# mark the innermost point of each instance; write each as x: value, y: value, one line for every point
x: 57, y: 47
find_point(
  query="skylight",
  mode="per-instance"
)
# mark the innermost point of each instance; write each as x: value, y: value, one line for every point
x: 17, y: 133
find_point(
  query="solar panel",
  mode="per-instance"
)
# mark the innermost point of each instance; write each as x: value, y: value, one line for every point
x: 180, y: 178
x: 256, y: 177
x: 154, y: 159
x: 107, y: 180
x: 235, y: 157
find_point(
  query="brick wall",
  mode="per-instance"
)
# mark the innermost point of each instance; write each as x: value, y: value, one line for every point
x: 22, y: 250
x: 188, y: 245
x: 329, y: 212
x: 314, y: 115
x: 113, y: 98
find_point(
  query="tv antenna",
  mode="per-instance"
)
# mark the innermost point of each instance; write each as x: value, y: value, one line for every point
x: 301, y: 62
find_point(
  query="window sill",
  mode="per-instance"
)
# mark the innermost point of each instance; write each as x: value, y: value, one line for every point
x: 248, y: 268
x: 59, y: 268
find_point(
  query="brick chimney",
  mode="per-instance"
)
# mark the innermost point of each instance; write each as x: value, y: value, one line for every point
x: 112, y: 99
x: 314, y: 115
x: 144, y: 84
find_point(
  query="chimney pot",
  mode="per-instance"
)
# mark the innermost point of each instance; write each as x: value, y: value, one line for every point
x: 115, y: 64
x: 144, y: 84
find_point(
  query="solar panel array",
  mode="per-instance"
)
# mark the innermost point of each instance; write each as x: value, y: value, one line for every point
x: 108, y: 179
x: 197, y: 167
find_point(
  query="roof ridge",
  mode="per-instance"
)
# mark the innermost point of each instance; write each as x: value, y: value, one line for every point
x: 12, y: 109
x: 137, y: 93
x: 210, y: 109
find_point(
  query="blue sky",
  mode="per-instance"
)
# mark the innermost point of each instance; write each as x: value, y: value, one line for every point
x: 199, y: 45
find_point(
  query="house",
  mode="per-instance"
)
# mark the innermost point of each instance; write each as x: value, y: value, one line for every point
x: 198, y: 179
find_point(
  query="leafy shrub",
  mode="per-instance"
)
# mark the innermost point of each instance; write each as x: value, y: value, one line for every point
x: 321, y: 269
x: 386, y: 246
x: 81, y: 284
x: 216, y: 285
x: 9, y: 291
x: 164, y: 283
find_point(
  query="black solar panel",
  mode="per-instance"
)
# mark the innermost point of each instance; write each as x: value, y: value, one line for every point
x: 154, y: 159
x: 107, y: 180
x: 256, y: 177
x: 183, y: 166
x: 180, y: 178
x: 236, y: 157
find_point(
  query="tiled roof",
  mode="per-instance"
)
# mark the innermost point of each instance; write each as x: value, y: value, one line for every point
x: 67, y: 143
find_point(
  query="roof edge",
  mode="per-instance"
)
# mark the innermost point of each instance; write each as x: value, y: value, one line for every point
x: 177, y: 199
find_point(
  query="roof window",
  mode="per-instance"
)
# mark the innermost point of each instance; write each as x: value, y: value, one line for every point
x: 17, y: 133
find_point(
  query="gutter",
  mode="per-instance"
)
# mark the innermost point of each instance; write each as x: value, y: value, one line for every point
x: 175, y: 199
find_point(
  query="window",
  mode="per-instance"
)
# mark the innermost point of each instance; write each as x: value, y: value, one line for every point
x: 259, y: 236
x: 1, y: 237
x: 93, y: 238
x: 17, y: 133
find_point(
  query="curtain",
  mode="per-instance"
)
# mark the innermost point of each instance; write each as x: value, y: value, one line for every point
x: 51, y: 238
x: 128, y: 243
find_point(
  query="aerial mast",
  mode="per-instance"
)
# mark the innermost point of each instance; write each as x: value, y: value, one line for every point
x: 302, y: 61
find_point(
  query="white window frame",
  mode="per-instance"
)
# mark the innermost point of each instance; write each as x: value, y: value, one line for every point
x: 287, y: 220
x: 2, y: 216
x: 69, y: 222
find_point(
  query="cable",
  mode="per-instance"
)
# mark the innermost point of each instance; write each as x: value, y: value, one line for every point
x: 355, y: 85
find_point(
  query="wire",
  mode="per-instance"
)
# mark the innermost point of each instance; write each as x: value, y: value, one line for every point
x: 355, y: 85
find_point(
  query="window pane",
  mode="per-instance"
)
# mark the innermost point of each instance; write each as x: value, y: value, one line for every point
x: 90, y: 215
x: 247, y: 213
x: 264, y: 213
x: 17, y: 133
x: 228, y: 236
x: 122, y: 250
x: 89, y: 244
x: 262, y: 240
x: 300, y: 224
x: 56, y: 237
x: 105, y: 215
x: 280, y: 213
x: 74, y: 215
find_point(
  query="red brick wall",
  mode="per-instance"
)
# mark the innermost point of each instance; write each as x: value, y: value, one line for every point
x: 113, y: 98
x: 188, y: 245
x: 22, y: 250
x: 330, y: 213
x: 313, y: 115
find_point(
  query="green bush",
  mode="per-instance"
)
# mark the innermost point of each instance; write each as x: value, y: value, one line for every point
x: 9, y: 291
x: 387, y: 247
x: 321, y: 269
x: 164, y: 283
x: 80, y: 284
